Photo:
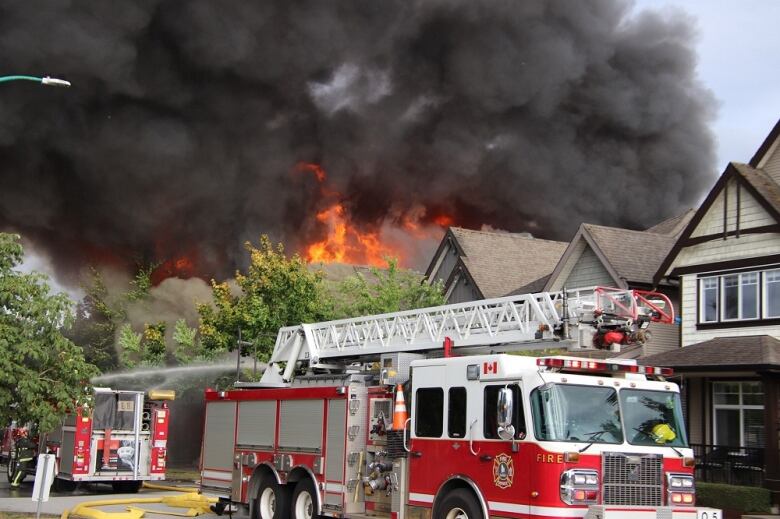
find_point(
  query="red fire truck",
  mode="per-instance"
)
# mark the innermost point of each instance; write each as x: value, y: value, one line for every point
x: 121, y: 439
x: 489, y: 434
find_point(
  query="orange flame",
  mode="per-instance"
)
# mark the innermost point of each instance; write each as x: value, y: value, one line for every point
x: 347, y: 242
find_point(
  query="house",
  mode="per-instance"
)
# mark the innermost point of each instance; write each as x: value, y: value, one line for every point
x: 480, y: 264
x: 727, y: 265
x: 622, y: 258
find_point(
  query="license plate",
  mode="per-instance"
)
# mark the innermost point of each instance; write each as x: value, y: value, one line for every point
x: 708, y: 513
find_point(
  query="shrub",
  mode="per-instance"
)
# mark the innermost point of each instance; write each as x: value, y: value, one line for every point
x: 733, y: 497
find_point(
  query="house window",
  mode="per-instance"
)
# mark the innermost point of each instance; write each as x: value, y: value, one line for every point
x: 738, y: 413
x: 772, y: 293
x: 709, y: 300
x: 736, y: 297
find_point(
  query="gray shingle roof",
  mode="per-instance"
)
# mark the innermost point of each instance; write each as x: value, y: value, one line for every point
x: 762, y: 183
x: 725, y: 353
x: 502, y: 262
x: 635, y: 255
x: 673, y: 226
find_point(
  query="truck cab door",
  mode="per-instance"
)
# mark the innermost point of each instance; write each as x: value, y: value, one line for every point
x: 427, y: 430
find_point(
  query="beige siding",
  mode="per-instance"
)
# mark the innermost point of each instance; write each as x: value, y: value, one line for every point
x: 588, y: 272
x: 663, y: 337
x: 751, y: 213
x: 746, y: 246
x: 690, y: 335
x: 772, y: 166
x: 712, y: 222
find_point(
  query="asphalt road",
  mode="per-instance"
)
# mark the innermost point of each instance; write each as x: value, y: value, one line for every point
x: 20, y: 499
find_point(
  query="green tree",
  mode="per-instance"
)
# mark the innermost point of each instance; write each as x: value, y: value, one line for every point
x: 129, y: 345
x: 43, y: 375
x: 275, y: 291
x: 187, y: 345
x: 96, y: 321
x: 385, y: 290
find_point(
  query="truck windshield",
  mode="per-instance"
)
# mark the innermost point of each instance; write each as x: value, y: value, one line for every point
x: 653, y: 417
x: 573, y: 413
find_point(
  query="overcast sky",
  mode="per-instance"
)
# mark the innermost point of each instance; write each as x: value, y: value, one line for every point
x: 739, y: 60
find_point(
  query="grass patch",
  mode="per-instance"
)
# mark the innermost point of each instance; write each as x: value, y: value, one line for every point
x: 733, y: 497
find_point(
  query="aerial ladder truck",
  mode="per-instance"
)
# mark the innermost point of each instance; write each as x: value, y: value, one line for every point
x: 489, y: 434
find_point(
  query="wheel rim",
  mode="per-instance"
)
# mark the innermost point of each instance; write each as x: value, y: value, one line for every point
x: 267, y: 503
x: 304, y: 506
x: 457, y: 513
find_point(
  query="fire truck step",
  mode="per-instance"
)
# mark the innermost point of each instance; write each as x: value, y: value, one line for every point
x: 376, y: 515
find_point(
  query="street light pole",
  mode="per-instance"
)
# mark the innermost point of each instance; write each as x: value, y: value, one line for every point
x: 47, y: 81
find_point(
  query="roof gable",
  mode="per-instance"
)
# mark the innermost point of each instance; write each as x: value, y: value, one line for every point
x: 767, y: 147
x: 499, y: 263
x: 756, y: 182
x: 629, y: 257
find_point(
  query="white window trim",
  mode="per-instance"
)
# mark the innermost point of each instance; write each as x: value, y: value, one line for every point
x: 761, y: 300
x: 738, y: 407
x: 702, y: 308
x: 764, y: 292
x: 722, y: 297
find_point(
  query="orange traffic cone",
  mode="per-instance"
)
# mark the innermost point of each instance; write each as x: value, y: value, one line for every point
x: 399, y: 413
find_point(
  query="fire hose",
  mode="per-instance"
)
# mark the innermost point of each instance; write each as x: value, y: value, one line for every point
x: 196, y: 504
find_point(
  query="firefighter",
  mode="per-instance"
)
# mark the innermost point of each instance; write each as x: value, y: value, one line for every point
x: 25, y: 455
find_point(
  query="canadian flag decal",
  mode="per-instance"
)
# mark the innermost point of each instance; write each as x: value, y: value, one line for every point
x: 490, y: 368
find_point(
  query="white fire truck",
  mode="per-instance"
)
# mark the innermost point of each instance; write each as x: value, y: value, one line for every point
x: 489, y: 434
x: 120, y: 439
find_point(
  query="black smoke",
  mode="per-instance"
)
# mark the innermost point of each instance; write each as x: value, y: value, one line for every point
x: 187, y: 118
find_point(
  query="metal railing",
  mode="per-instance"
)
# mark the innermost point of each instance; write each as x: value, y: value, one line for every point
x: 730, y: 465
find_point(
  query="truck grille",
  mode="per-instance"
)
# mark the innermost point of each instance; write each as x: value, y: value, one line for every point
x: 632, y: 479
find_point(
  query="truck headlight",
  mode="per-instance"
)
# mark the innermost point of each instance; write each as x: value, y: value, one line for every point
x: 680, y: 489
x: 579, y: 486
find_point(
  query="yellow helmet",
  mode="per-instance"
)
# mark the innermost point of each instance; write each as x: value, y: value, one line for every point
x: 662, y: 433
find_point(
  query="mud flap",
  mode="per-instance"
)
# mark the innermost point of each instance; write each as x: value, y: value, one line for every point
x: 610, y: 512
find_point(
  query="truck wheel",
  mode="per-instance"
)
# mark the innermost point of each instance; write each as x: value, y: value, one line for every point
x: 304, y: 500
x: 64, y: 485
x: 273, y: 500
x: 458, y: 504
x: 126, y: 487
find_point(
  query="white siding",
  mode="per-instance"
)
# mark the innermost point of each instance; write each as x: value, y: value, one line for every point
x: 690, y: 335
x: 752, y: 214
x: 732, y: 248
x: 588, y: 271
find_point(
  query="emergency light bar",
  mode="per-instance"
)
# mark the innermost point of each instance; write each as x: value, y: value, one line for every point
x: 592, y: 366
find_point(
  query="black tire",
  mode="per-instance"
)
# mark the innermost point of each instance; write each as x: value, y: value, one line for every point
x: 126, y: 487
x: 64, y: 485
x: 458, y: 504
x: 304, y: 500
x: 272, y: 500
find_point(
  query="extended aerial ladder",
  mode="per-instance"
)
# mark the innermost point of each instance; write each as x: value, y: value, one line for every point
x: 597, y: 317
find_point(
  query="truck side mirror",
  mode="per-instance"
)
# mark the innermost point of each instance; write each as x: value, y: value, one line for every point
x: 506, y: 431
